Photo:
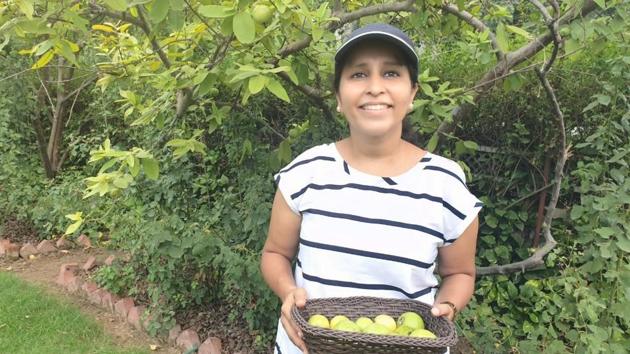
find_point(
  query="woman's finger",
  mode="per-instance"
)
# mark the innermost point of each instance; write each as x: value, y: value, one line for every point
x: 442, y: 310
x: 299, y: 297
x: 293, y: 334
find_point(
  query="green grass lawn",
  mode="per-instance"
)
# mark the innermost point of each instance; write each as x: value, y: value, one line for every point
x: 33, y: 322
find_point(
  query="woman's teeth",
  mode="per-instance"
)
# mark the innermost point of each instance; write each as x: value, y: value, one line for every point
x: 375, y: 107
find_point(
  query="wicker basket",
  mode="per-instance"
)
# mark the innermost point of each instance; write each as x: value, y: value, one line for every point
x: 327, y: 341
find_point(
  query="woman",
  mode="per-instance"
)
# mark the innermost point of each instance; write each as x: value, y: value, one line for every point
x: 371, y: 214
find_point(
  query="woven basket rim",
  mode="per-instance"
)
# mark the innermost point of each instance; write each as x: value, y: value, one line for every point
x: 402, y: 341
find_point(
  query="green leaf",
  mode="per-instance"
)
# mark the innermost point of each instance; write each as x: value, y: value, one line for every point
x: 76, y: 216
x: 570, y: 46
x: 175, y: 252
x: 605, y: 232
x: 226, y: 26
x: 117, y: 5
x: 106, y: 165
x: 206, y: 85
x: 590, y: 106
x: 603, y: 99
x: 432, y: 144
x: 43, y: 60
x: 135, y: 167
x: 502, y: 38
x: 62, y: 47
x: 600, y: 3
x: 469, y: 144
x: 513, y: 83
x: 618, y: 156
x: 121, y: 183
x: 26, y: 7
x: 215, y: 11
x: 36, y: 26
x: 159, y: 10
x: 177, y: 5
x: 244, y: 27
x: 257, y: 83
x: 43, y: 47
x: 623, y: 243
x: 491, y: 221
x: 6, y: 41
x: 175, y: 20
x: 519, y: 31
x: 73, y: 227
x: 276, y: 88
x: 284, y: 151
x: 150, y: 168
x: 426, y: 89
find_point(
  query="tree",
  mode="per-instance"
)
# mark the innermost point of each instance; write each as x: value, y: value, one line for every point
x: 171, y: 58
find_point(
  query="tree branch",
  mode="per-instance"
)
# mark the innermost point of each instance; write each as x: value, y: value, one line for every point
x: 83, y: 85
x: 39, y: 133
x: 123, y: 16
x: 313, y: 94
x: 511, y: 60
x: 533, y: 262
x: 76, y: 93
x: 543, y: 10
x: 344, y: 18
x: 557, y: 40
x: 52, y: 105
x: 536, y: 260
x: 219, y: 52
x: 477, y: 24
x: 202, y: 19
x: 154, y: 44
x: 373, y: 10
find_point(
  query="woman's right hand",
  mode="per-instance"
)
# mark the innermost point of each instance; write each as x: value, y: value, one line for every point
x: 295, y: 297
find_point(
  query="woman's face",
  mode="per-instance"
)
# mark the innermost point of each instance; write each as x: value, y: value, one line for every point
x: 375, y: 90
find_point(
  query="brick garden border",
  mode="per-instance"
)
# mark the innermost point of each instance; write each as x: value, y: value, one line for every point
x: 125, y: 308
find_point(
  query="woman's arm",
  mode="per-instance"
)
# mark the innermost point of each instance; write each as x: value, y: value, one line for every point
x: 456, y: 266
x: 280, y: 247
x: 275, y: 264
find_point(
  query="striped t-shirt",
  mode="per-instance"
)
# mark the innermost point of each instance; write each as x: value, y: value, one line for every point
x: 365, y: 235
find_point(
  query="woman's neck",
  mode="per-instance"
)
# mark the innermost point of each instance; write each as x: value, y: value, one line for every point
x: 374, y: 149
x: 379, y: 157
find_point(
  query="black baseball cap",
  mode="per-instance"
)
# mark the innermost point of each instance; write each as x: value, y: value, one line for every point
x: 380, y: 31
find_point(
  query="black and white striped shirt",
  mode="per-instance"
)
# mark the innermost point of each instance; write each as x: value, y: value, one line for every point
x: 365, y: 235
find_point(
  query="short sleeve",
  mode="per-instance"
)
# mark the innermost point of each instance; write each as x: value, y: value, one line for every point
x: 290, y: 182
x: 293, y: 180
x: 462, y: 205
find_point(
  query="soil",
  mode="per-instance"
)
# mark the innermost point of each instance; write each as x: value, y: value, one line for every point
x: 18, y: 231
x: 43, y: 271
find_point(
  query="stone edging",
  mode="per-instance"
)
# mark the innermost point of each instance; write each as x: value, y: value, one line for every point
x: 125, y: 308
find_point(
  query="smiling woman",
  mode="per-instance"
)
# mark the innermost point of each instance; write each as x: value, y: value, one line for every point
x: 372, y: 214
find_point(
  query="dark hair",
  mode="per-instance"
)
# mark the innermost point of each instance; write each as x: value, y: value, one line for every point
x: 339, y: 65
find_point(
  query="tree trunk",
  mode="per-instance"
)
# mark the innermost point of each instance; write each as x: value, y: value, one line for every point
x: 50, y: 151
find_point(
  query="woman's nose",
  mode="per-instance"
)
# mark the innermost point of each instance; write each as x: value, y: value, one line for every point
x: 375, y: 85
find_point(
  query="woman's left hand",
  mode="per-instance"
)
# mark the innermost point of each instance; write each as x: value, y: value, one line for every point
x: 443, y: 310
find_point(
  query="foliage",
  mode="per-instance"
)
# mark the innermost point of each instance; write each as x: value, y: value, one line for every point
x: 576, y: 305
x: 171, y: 152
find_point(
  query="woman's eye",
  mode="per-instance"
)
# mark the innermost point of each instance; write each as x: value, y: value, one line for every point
x: 392, y: 74
x: 358, y: 75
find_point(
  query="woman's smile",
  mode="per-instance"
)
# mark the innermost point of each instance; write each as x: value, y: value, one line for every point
x: 375, y: 106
